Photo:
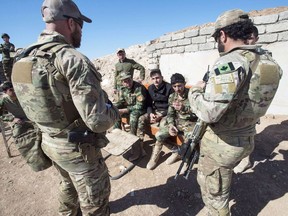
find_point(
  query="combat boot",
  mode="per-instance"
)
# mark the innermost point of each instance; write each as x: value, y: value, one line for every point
x: 155, y: 156
x: 173, y: 158
x: 243, y: 165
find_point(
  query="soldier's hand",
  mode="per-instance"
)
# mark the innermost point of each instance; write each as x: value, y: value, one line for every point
x: 158, y: 118
x: 177, y: 105
x: 152, y: 118
x: 200, y: 84
x: 172, y: 130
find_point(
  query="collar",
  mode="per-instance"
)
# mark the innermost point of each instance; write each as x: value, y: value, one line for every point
x: 51, y: 36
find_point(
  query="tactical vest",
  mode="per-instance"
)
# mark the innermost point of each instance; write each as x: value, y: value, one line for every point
x: 43, y: 91
x: 265, y: 76
x: 253, y: 98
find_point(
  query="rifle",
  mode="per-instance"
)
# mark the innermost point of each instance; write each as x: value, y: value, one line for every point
x: 206, y: 75
x: 191, y: 148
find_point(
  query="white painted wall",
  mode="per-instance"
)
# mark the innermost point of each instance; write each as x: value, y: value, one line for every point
x: 194, y: 65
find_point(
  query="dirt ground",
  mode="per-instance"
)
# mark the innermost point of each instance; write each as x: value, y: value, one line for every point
x: 261, y: 190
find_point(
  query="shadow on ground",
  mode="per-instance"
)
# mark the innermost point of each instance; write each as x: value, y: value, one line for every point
x: 252, y: 191
x: 180, y: 197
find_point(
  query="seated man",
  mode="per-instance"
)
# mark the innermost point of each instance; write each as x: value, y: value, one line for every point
x: 158, y: 94
x: 180, y: 120
x: 132, y: 104
x: 9, y: 103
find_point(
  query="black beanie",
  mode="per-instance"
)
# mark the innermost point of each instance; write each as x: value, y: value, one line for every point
x: 177, y: 78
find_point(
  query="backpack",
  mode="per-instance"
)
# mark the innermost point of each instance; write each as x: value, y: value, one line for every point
x: 28, y: 141
x: 265, y: 76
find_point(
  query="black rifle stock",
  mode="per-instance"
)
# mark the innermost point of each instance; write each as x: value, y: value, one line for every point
x: 206, y: 75
x: 191, y: 153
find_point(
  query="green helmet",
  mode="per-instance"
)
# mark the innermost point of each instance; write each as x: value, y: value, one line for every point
x: 5, y: 35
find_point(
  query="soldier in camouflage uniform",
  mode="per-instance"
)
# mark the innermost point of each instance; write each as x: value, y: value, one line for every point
x: 126, y: 65
x: 9, y: 103
x: 7, y: 60
x: 232, y: 103
x: 64, y: 97
x: 180, y: 120
x: 131, y: 104
x: 245, y: 163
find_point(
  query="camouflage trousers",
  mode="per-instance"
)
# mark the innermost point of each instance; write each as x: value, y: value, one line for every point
x: 144, y: 121
x: 184, y: 128
x: 133, y: 121
x: 7, y: 68
x: 218, y: 156
x: 82, y: 184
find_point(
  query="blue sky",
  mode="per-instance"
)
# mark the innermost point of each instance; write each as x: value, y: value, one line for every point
x: 121, y: 23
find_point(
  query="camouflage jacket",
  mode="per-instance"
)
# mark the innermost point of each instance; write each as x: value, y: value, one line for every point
x: 227, y: 103
x: 13, y: 107
x: 74, y: 87
x: 133, y: 99
x: 128, y: 65
x: 185, y: 115
x: 5, y: 49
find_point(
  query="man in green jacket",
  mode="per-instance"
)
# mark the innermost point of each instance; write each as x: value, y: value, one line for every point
x: 7, y: 60
x: 126, y: 65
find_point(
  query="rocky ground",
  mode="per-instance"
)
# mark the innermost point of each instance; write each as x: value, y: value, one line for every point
x: 261, y: 190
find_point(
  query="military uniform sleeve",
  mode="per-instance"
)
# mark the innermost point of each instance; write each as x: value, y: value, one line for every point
x: 171, y: 113
x: 85, y: 89
x: 12, y: 47
x: 224, y: 81
x: 149, y: 101
x: 116, y: 73
x: 139, y: 67
x: 121, y: 101
x: 2, y: 107
x: 3, y: 110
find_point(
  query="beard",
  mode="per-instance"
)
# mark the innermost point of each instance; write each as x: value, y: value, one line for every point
x: 221, y: 47
x: 76, y: 38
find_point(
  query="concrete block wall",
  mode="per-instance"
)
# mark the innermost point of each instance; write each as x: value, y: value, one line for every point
x: 272, y: 29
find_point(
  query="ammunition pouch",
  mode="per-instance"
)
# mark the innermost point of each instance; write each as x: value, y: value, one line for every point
x: 28, y: 144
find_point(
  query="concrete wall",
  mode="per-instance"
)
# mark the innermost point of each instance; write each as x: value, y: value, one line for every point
x: 190, y: 52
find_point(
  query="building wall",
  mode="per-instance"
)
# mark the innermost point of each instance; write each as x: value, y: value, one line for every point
x: 190, y: 52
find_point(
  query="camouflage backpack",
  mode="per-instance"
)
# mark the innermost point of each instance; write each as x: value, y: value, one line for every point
x: 37, y: 56
x: 265, y: 76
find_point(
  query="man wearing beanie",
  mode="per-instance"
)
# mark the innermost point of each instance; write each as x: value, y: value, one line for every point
x: 180, y: 120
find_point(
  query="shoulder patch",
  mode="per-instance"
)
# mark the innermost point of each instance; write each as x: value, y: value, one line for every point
x: 224, y: 68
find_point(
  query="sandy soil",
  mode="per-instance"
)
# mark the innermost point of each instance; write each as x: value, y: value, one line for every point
x: 261, y: 190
